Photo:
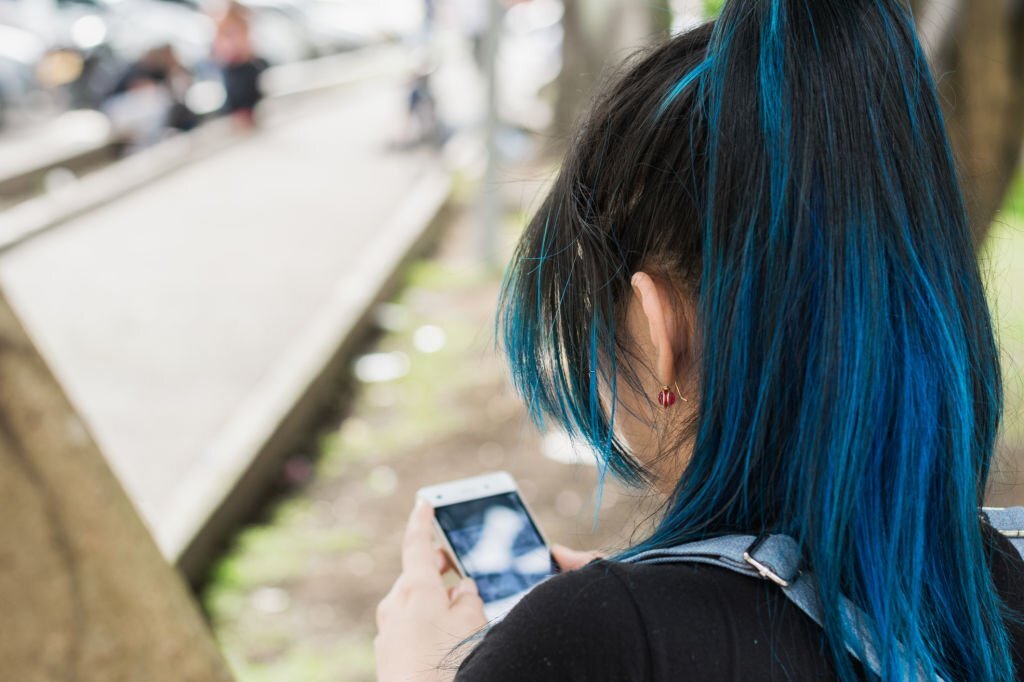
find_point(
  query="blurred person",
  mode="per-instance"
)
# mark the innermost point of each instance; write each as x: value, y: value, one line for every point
x: 241, y: 67
x: 148, y: 99
x: 752, y: 289
x: 423, y: 122
x: 473, y: 17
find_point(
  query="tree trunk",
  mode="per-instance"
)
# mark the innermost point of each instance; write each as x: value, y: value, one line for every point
x: 86, y: 594
x: 598, y: 34
x: 976, y: 49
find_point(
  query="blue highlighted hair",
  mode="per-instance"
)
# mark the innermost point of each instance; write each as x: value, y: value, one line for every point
x: 787, y: 168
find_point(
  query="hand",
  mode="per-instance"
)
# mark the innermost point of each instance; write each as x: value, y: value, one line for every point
x: 420, y: 621
x: 571, y: 559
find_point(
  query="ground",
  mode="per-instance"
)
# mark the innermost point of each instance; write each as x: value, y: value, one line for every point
x: 294, y: 598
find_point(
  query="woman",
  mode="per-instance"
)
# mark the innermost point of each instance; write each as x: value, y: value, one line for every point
x: 752, y: 288
x: 233, y: 51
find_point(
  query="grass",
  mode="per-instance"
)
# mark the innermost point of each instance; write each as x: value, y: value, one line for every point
x: 272, y: 554
x: 1013, y: 210
x: 307, y: 663
x: 1002, y: 262
x: 712, y: 8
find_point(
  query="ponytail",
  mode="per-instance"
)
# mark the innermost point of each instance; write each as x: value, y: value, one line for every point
x: 851, y: 380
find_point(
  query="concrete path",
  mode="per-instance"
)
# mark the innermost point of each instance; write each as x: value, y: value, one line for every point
x: 162, y: 312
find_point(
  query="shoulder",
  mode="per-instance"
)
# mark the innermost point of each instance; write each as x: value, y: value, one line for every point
x: 1007, y: 570
x: 1000, y: 551
x: 605, y: 620
x: 1006, y: 567
x: 609, y: 593
x: 587, y: 601
x: 579, y: 625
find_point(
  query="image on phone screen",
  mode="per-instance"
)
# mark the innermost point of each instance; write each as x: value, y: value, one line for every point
x: 499, y: 547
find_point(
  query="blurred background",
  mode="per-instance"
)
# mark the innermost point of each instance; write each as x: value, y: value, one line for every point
x: 259, y: 245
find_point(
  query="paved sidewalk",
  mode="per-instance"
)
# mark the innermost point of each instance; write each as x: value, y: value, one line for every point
x: 162, y: 312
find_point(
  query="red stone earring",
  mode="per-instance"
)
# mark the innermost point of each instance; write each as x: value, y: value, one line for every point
x: 666, y: 398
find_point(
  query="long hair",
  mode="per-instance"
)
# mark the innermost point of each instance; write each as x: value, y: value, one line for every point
x: 787, y: 166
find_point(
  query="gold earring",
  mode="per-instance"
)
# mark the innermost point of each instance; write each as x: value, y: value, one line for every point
x: 679, y: 393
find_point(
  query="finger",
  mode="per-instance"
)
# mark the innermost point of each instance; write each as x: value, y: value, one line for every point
x: 571, y: 559
x: 418, y: 554
x: 444, y: 562
x: 465, y: 595
x: 467, y: 608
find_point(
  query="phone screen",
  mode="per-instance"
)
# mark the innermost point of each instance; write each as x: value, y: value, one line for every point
x: 499, y: 547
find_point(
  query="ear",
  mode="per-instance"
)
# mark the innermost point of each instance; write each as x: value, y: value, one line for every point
x: 661, y: 324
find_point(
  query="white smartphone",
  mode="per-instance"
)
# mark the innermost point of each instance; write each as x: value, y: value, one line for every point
x: 485, y: 526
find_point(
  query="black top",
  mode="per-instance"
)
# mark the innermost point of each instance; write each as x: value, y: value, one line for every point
x: 683, y: 621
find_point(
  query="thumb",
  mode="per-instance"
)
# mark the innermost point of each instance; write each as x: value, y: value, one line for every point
x: 465, y: 589
x: 465, y: 597
x: 571, y: 559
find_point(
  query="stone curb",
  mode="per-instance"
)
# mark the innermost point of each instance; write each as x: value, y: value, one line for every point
x: 245, y: 459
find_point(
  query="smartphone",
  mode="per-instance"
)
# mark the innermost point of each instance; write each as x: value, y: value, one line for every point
x: 492, y: 538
